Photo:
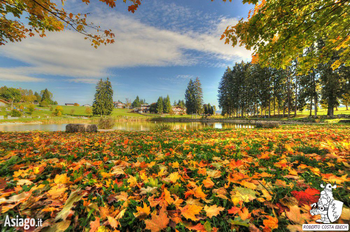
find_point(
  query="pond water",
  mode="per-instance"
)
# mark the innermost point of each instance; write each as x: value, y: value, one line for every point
x: 126, y: 126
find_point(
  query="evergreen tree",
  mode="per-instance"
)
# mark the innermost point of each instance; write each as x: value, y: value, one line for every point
x: 160, y: 105
x: 136, y: 102
x: 198, y: 97
x: 153, y: 108
x: 166, y: 105
x: 109, y: 105
x: 190, y: 98
x: 46, y: 98
x: 103, y: 103
x: 194, y: 97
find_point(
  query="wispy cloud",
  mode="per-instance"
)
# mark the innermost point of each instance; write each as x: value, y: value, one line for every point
x: 137, y: 44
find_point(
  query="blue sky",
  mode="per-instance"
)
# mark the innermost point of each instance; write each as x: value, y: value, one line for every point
x: 158, y: 49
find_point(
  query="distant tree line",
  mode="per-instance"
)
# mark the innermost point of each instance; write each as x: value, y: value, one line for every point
x: 163, y: 105
x: 15, y: 95
x: 249, y: 89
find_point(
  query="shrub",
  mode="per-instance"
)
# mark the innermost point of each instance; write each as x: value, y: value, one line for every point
x: 44, y: 103
x: 106, y: 122
x: 31, y: 109
x: 267, y: 125
x: 162, y: 127
x: 88, y: 110
x: 58, y: 111
x: 16, y: 113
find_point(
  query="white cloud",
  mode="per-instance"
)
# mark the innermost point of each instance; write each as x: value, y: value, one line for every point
x: 7, y: 74
x: 68, y: 55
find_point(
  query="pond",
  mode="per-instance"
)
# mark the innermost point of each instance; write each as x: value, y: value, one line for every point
x: 126, y: 126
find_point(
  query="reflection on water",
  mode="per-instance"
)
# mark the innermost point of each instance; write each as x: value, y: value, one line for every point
x: 127, y: 126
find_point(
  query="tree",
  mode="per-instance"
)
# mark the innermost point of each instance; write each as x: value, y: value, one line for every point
x: 160, y: 105
x: 103, y: 103
x: 136, y: 102
x: 37, y: 97
x: 153, y: 108
x: 194, y: 97
x: 10, y: 94
x: 345, y: 99
x: 76, y: 104
x: 127, y: 103
x: 88, y: 110
x: 280, y: 31
x: 46, y: 98
x: 166, y: 105
x: 47, y: 15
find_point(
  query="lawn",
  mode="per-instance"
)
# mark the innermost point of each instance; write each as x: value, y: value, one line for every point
x: 204, y: 180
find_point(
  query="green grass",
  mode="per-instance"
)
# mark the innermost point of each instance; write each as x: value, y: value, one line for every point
x: 80, y: 111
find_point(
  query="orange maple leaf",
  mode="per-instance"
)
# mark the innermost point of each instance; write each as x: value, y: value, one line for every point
x: 95, y: 224
x: 270, y: 222
x: 158, y: 222
x: 190, y: 211
x: 199, y: 193
x: 208, y: 183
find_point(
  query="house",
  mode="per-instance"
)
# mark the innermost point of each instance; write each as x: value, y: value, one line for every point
x: 119, y: 105
x: 142, y: 110
x: 87, y: 105
x: 69, y: 104
x: 178, y: 110
x: 4, y: 103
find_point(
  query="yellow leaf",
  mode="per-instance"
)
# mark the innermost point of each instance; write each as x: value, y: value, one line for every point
x: 213, y: 210
x: 132, y: 181
x: 174, y: 177
x: 167, y: 197
x: 61, y: 179
x: 142, y: 211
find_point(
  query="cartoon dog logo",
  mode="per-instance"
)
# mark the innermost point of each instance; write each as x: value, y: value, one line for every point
x: 329, y: 209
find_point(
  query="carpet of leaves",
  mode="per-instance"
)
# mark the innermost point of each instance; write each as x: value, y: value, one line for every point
x: 199, y: 180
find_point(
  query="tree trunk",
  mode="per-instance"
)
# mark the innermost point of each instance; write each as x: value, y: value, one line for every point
x: 310, y: 107
x: 316, y: 102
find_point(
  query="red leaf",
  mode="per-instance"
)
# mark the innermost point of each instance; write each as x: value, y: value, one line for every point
x: 306, y: 197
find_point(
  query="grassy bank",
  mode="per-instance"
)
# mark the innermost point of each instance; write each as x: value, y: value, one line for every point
x: 237, y: 179
x: 78, y: 114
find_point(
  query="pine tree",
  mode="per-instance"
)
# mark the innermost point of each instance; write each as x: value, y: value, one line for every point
x: 198, y: 97
x: 166, y: 105
x: 103, y: 103
x: 190, y: 98
x: 46, y: 98
x: 160, y: 105
x: 109, y: 105
x: 136, y: 102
